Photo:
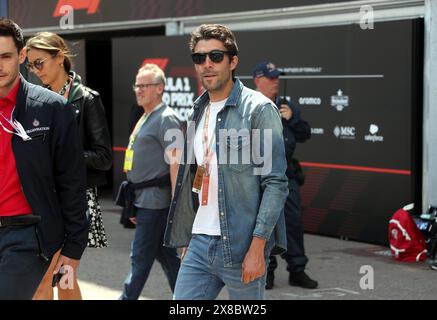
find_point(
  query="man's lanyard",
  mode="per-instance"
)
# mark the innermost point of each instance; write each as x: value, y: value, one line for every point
x: 207, y: 149
x: 201, y: 180
x: 129, y: 155
x: 16, y: 126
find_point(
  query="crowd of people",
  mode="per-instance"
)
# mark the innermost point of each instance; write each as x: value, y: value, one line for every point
x: 210, y: 218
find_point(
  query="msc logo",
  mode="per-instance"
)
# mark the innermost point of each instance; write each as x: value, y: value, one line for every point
x: 90, y: 5
x: 344, y: 132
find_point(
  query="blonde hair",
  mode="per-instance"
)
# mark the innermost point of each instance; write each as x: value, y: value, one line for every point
x: 157, y: 71
x: 53, y: 44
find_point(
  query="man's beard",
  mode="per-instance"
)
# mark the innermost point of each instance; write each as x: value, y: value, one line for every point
x: 217, y: 86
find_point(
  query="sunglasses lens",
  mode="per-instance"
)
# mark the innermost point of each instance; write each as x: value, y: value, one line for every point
x: 198, y: 58
x: 38, y: 65
x: 216, y: 56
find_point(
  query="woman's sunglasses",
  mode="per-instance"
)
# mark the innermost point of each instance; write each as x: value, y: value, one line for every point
x: 37, y: 64
x: 215, y: 56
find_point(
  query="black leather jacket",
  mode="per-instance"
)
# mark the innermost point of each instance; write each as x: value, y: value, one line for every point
x: 93, y: 128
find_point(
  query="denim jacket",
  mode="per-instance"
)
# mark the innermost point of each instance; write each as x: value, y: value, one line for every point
x: 249, y: 204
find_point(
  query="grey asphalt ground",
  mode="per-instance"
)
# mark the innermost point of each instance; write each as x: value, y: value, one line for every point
x: 343, y: 269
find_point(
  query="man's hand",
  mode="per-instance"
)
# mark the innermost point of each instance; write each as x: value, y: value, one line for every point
x: 184, y: 253
x: 133, y: 220
x: 173, y: 157
x: 254, y: 264
x: 69, y: 266
x: 285, y: 112
x: 65, y: 261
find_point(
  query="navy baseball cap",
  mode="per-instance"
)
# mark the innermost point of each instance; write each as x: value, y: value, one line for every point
x: 266, y: 69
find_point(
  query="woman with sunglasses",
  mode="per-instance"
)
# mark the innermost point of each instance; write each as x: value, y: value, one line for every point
x: 50, y: 59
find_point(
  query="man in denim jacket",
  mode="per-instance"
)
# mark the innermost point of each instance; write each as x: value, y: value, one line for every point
x: 231, y: 185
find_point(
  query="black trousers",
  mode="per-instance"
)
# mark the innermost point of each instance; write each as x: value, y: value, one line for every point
x: 295, y: 254
x: 21, y: 267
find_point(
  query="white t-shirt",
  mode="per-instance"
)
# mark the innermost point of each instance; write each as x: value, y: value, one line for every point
x: 207, y: 217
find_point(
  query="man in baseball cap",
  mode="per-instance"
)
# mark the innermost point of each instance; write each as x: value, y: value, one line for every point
x: 295, y: 129
x: 266, y: 69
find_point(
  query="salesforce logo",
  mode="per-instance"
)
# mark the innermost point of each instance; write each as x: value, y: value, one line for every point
x: 373, y: 137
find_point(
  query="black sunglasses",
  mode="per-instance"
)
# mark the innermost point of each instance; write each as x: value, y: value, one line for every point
x: 215, y: 56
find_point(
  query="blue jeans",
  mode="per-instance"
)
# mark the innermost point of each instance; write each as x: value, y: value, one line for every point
x: 295, y: 254
x: 146, y: 247
x: 21, y: 268
x: 203, y: 275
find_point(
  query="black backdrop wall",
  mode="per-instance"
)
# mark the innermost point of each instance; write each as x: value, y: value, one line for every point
x: 357, y: 88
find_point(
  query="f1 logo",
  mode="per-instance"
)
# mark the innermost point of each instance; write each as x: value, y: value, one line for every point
x: 90, y: 5
x: 160, y: 62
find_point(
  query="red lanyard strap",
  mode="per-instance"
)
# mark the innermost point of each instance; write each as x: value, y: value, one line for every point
x: 207, y: 149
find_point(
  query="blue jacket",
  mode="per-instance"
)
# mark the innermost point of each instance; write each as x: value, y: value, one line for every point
x: 250, y: 203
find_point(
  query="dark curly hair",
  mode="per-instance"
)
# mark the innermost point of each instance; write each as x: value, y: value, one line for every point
x: 215, y: 31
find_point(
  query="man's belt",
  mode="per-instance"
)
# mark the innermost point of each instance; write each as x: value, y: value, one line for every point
x: 25, y: 220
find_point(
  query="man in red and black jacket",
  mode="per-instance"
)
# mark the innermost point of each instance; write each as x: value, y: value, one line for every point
x: 42, y: 177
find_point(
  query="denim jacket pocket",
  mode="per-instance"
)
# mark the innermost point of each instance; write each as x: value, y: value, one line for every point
x: 239, y: 153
